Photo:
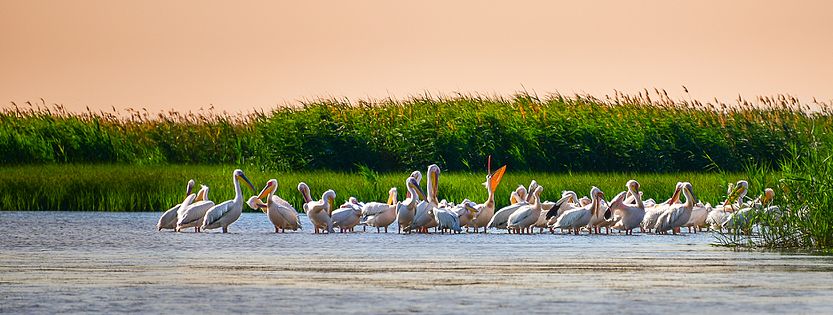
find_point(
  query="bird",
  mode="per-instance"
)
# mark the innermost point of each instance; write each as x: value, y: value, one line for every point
x: 192, y: 211
x: 575, y: 219
x: 675, y: 215
x: 518, y: 195
x: 652, y: 213
x: 225, y: 213
x: 742, y: 219
x: 424, y: 216
x: 699, y: 214
x: 486, y: 210
x: 380, y: 215
x: 407, y: 209
x: 522, y: 220
x: 449, y: 218
x: 168, y: 218
x: 319, y: 212
x: 717, y: 218
x: 630, y: 215
x: 566, y: 202
x: 280, y: 212
x: 346, y: 218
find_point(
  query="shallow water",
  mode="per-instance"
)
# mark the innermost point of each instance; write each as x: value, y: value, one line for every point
x: 118, y: 262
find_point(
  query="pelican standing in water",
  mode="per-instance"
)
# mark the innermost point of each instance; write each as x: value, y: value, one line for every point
x: 319, y: 212
x: 653, y: 213
x: 407, y: 209
x: 346, y: 218
x: 282, y: 215
x: 521, y: 221
x: 380, y: 215
x: 168, y: 219
x: 225, y: 213
x: 577, y: 218
x: 630, y: 215
x: 424, y: 216
x: 676, y: 215
x: 720, y: 214
x: 486, y: 210
x: 501, y: 217
x: 193, y: 209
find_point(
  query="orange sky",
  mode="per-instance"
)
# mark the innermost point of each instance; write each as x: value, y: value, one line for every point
x: 240, y: 55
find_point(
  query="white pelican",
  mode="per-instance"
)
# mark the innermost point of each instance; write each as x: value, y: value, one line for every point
x: 449, y: 219
x: 318, y: 211
x: 407, y: 209
x: 720, y: 214
x: 698, y: 217
x: 501, y: 217
x: 518, y: 195
x: 523, y: 219
x: 282, y: 215
x: 742, y: 219
x: 652, y: 213
x: 346, y: 218
x: 380, y: 215
x: 193, y: 209
x: 575, y: 219
x: 424, y: 216
x: 168, y: 219
x: 225, y: 213
x: 417, y: 175
x: 566, y: 202
x: 630, y: 215
x: 486, y: 210
x: 602, y: 218
x: 675, y: 215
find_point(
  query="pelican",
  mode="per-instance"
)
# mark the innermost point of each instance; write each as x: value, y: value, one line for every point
x: 576, y: 218
x: 652, y: 213
x: 675, y: 215
x: 518, y: 195
x: 698, y: 217
x: 424, y: 216
x: 417, y: 175
x: 226, y: 213
x: 168, y: 219
x: 380, y: 215
x: 282, y: 215
x: 486, y: 210
x: 566, y: 202
x: 523, y: 219
x: 193, y: 209
x: 318, y: 211
x: 449, y: 219
x: 407, y: 209
x: 346, y: 218
x: 630, y: 215
x: 501, y: 217
x: 742, y: 218
x: 532, y: 186
x: 720, y: 214
x: 602, y: 218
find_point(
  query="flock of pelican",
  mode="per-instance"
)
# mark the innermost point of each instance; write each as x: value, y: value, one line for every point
x: 421, y: 211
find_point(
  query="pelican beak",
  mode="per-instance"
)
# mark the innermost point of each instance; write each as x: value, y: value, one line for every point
x: 733, y: 196
x: 247, y: 181
x: 675, y: 196
x: 390, y: 199
x: 419, y: 192
x: 266, y: 191
x: 494, y: 181
x: 330, y: 204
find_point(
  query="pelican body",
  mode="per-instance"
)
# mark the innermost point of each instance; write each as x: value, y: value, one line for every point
x: 577, y: 218
x: 169, y: 218
x: 319, y: 212
x: 224, y: 214
x: 676, y: 215
x: 192, y: 211
x: 380, y: 215
x: 630, y: 215
x: 282, y: 215
x: 522, y: 220
x: 486, y: 210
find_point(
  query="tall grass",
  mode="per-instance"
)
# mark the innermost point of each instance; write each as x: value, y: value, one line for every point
x: 805, y: 199
x: 158, y: 187
x: 644, y: 133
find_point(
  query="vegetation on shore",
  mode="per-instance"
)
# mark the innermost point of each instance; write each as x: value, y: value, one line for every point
x: 644, y: 133
x: 158, y: 187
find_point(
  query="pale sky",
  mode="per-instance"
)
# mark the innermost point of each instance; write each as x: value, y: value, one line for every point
x: 239, y: 55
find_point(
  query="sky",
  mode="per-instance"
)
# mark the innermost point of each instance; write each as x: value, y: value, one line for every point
x: 244, y: 55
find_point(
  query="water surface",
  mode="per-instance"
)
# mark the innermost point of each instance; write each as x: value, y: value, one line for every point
x: 118, y: 262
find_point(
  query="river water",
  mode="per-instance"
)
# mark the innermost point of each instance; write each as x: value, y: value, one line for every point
x: 117, y: 262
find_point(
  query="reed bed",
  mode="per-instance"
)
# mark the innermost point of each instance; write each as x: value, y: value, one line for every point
x: 158, y: 187
x: 647, y: 132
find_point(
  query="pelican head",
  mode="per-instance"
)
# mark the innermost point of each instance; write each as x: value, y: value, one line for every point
x: 584, y: 201
x: 493, y: 179
x: 392, y: 196
x: 202, y: 194
x: 690, y: 189
x: 304, y: 189
x: 413, y: 187
x: 353, y: 200
x: 676, y: 196
x: 269, y: 190
x: 521, y: 190
x: 238, y: 175
x: 633, y: 185
x: 434, y: 179
x: 328, y: 198
x: 255, y: 203
x: 189, y: 187
x: 417, y: 175
x: 769, y: 194
x: 740, y: 190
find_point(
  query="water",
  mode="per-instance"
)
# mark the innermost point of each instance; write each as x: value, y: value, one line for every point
x: 117, y: 262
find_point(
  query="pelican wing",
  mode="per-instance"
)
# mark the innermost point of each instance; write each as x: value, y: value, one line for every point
x: 216, y: 212
x: 574, y: 218
x: 501, y: 217
x: 283, y: 203
x: 169, y: 218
